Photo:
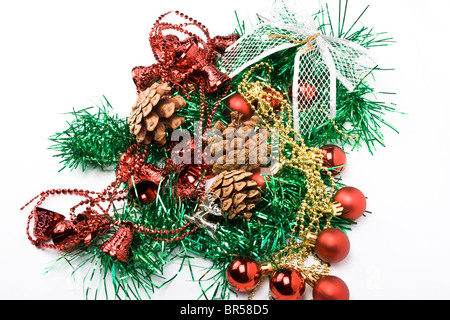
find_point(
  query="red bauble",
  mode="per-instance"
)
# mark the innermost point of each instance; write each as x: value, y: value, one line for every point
x: 287, y: 284
x: 145, y: 192
x: 243, y: 274
x: 259, y: 179
x: 330, y: 288
x: 237, y: 103
x: 306, y: 91
x: 334, y: 158
x: 352, y: 201
x: 332, y: 245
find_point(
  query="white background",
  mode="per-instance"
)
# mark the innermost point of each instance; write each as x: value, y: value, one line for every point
x: 56, y: 55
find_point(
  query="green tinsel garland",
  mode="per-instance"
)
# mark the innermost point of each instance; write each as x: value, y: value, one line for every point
x: 272, y: 221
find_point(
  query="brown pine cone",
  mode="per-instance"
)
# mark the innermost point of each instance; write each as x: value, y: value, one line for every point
x: 154, y: 112
x: 238, y: 193
x: 245, y: 149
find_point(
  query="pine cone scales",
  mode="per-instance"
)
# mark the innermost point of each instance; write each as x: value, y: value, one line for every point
x: 241, y: 147
x: 154, y: 112
x: 237, y: 192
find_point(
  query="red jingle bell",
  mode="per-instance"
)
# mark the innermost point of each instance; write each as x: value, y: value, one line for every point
x: 352, y: 201
x: 120, y: 243
x: 332, y: 245
x: 243, y: 274
x: 287, y: 284
x: 330, y: 288
x: 45, y: 222
x: 334, y: 158
x: 237, y: 103
x: 65, y: 235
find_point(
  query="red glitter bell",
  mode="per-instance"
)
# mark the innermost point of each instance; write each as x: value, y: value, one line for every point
x: 65, y: 235
x: 45, y: 222
x: 120, y: 243
x: 91, y: 225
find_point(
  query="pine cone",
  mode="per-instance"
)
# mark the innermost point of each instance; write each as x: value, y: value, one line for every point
x: 245, y: 149
x: 154, y: 112
x: 237, y: 192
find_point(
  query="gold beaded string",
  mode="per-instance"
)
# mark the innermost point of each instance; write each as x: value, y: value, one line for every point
x: 317, y: 201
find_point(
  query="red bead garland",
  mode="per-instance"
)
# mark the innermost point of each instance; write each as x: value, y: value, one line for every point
x: 85, y: 227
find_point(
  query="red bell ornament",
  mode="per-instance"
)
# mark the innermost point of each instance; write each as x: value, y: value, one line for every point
x: 352, y: 201
x: 331, y: 288
x: 64, y: 235
x: 332, y: 245
x: 237, y: 103
x: 243, y: 274
x: 334, y: 158
x: 45, y: 222
x: 287, y: 284
x: 120, y: 243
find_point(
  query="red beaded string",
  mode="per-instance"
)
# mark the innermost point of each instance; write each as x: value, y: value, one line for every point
x: 110, y: 194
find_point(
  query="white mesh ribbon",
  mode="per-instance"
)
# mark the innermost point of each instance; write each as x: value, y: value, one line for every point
x: 318, y: 63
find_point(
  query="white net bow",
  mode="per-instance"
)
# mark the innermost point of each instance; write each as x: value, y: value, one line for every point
x: 319, y: 62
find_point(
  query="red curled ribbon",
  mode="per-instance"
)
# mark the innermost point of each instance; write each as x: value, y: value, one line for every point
x: 183, y: 62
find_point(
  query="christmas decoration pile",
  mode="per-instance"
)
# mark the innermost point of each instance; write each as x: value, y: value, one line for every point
x: 233, y: 152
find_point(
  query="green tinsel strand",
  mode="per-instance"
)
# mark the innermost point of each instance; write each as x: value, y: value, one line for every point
x: 94, y: 138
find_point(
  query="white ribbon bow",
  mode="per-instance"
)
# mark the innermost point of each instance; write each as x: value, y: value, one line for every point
x: 319, y: 62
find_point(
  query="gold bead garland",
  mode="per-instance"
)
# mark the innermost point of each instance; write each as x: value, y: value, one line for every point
x: 317, y: 203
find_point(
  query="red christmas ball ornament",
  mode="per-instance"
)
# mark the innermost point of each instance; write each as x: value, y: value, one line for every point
x: 287, y: 284
x: 237, y: 103
x: 243, y: 274
x: 332, y: 245
x: 306, y: 91
x: 353, y: 203
x: 330, y: 288
x: 259, y: 178
x: 145, y: 192
x: 334, y: 158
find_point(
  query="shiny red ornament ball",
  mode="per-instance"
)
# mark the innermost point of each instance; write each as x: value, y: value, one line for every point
x: 353, y: 202
x: 334, y: 158
x: 243, y: 274
x: 259, y: 178
x: 306, y: 91
x: 145, y: 192
x: 330, y: 288
x: 332, y: 245
x: 237, y: 103
x: 287, y: 284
